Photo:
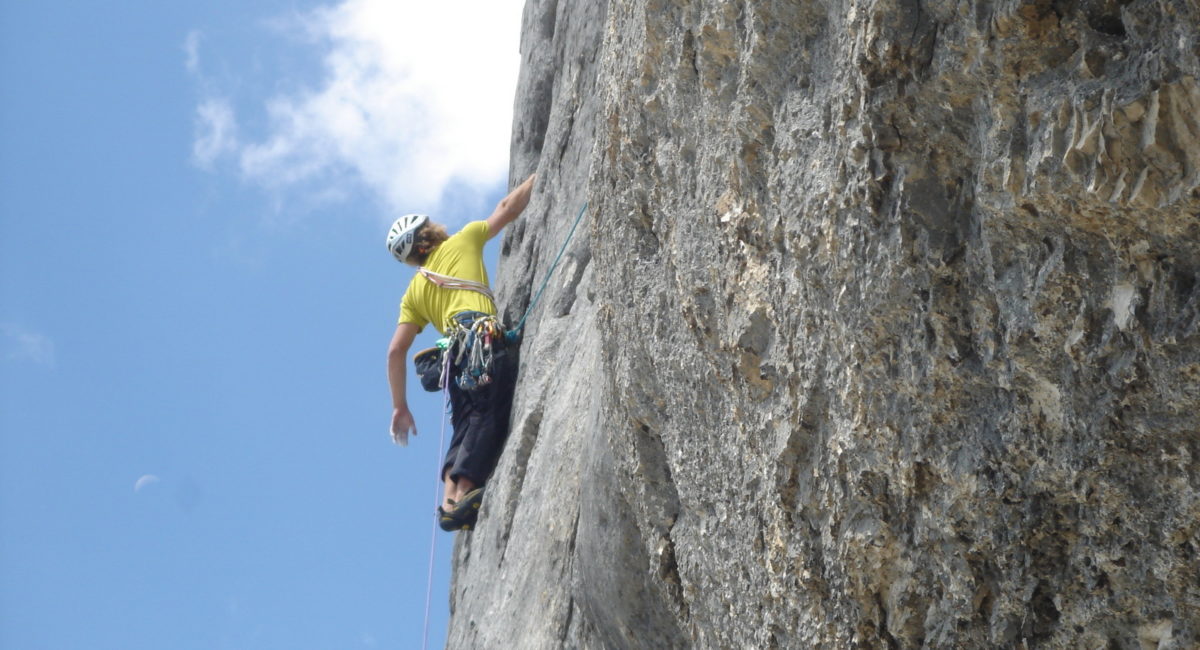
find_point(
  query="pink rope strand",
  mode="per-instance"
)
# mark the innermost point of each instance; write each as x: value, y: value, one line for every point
x: 437, y: 498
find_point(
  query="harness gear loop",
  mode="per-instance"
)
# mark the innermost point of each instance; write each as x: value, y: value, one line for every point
x: 473, y: 348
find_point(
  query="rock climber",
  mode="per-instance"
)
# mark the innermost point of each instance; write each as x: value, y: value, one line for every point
x: 451, y: 291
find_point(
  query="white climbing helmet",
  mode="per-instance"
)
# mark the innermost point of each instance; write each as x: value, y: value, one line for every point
x: 404, y: 231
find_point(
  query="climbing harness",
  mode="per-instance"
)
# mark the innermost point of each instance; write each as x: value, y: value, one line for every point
x: 473, y: 348
x: 471, y: 344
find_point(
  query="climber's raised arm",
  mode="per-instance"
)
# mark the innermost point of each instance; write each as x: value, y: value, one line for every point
x: 510, y: 206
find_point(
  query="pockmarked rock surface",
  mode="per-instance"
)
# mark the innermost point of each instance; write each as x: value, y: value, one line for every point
x: 881, y: 330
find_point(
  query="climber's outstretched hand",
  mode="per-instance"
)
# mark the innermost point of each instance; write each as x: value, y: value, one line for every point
x: 402, y: 426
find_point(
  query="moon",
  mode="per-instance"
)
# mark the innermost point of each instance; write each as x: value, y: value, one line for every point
x: 146, y: 479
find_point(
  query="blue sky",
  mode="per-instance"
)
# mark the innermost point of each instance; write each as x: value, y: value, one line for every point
x: 195, y: 303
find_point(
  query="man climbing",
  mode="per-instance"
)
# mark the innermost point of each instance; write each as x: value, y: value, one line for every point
x: 451, y: 292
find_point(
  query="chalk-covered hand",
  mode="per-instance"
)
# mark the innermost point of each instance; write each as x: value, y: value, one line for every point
x: 402, y: 426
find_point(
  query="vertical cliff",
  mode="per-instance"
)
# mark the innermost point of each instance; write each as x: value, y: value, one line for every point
x: 881, y: 330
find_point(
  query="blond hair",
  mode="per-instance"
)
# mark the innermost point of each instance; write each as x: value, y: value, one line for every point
x: 429, y: 237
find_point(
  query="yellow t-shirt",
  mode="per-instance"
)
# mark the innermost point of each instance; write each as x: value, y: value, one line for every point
x: 460, y: 256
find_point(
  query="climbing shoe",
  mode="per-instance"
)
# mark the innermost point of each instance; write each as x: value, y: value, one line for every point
x: 464, y: 513
x: 447, y: 520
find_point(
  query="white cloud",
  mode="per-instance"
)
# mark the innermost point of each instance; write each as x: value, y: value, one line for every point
x: 20, y: 344
x: 216, y: 131
x: 191, y: 50
x: 415, y: 95
x: 143, y: 481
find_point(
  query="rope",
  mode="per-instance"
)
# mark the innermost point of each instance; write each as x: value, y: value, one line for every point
x: 437, y: 497
x: 451, y: 282
x: 516, y: 331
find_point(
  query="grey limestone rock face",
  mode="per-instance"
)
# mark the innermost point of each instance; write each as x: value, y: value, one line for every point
x: 881, y: 330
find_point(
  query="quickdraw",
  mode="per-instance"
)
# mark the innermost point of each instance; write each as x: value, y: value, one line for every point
x: 473, y: 349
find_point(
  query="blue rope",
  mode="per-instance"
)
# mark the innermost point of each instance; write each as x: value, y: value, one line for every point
x: 515, y: 333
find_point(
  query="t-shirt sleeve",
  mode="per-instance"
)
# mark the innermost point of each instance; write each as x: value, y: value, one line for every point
x: 409, y: 315
x: 476, y: 232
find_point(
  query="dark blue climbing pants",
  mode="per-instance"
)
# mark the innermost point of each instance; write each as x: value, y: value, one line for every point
x: 480, y: 419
